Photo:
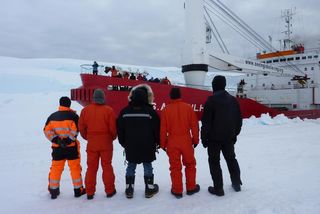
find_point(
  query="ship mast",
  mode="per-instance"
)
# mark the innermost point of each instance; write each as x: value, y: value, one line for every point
x: 287, y: 15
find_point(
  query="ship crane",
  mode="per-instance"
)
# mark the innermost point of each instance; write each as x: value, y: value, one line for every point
x: 196, y: 59
x: 225, y: 62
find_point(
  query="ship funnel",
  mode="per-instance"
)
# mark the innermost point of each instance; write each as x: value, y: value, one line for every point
x: 194, y: 54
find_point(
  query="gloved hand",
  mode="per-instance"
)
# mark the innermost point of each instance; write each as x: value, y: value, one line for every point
x: 234, y: 140
x: 55, y: 140
x: 204, y: 143
x: 63, y: 143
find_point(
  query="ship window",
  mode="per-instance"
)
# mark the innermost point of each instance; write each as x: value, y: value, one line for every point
x: 269, y: 61
x: 309, y: 57
x: 275, y: 60
x: 315, y: 56
x: 263, y: 61
x: 290, y: 59
x: 251, y: 86
x: 305, y: 69
x: 298, y: 58
x: 248, y: 75
x: 304, y: 57
x: 263, y: 85
x: 289, y: 83
x: 283, y: 60
x: 312, y: 68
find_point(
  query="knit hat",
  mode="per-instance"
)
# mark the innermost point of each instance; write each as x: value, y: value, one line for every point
x: 98, y: 96
x: 218, y: 83
x: 65, y: 101
x: 175, y: 93
x: 139, y: 97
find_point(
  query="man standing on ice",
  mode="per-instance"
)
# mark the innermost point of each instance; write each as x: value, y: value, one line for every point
x: 179, y: 135
x: 97, y: 125
x: 221, y: 124
x: 138, y: 127
x: 61, y: 129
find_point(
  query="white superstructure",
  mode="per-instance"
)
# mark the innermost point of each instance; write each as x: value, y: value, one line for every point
x: 287, y: 78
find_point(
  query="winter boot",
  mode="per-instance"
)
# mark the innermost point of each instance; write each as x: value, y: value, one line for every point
x: 79, y: 191
x: 90, y: 197
x: 195, y: 190
x: 151, y: 189
x: 216, y: 191
x: 110, y: 195
x: 129, y: 186
x: 54, y: 193
x: 236, y: 187
x: 177, y: 195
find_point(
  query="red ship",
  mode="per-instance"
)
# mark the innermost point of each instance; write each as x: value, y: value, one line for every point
x: 117, y: 91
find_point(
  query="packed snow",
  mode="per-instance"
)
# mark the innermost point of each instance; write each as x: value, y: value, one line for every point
x: 279, y: 157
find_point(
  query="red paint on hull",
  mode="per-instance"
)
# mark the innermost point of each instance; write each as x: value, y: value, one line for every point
x: 118, y: 99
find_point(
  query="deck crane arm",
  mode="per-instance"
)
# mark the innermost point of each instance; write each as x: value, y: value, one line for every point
x: 226, y: 62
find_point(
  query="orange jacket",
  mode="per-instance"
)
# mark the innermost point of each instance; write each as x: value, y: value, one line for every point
x: 63, y: 124
x: 114, y: 72
x: 97, y: 124
x: 177, y: 120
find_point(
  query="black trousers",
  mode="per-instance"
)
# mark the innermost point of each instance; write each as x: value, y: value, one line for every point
x: 227, y: 149
x: 69, y: 153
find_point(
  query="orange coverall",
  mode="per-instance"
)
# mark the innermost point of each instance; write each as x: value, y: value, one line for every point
x: 177, y: 120
x: 63, y: 124
x: 97, y: 124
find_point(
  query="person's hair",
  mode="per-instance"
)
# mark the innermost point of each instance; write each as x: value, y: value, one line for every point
x: 175, y: 93
x: 65, y: 101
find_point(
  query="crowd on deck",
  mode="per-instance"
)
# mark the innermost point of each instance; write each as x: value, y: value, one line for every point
x: 114, y: 72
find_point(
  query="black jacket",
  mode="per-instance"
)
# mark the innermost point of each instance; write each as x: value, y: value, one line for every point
x: 138, y: 132
x: 221, y: 119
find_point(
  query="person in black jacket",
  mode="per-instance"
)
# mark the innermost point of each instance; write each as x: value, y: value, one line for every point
x: 221, y: 124
x: 138, y: 127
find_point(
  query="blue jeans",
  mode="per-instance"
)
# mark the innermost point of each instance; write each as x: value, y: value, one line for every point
x: 131, y: 169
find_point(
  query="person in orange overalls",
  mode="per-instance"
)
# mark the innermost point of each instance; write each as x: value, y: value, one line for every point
x: 177, y: 120
x: 61, y: 129
x: 97, y: 124
x: 114, y: 71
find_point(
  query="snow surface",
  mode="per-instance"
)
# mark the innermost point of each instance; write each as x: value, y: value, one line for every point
x: 279, y: 158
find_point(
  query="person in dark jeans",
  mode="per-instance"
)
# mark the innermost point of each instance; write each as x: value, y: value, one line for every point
x: 221, y: 124
x: 138, y: 127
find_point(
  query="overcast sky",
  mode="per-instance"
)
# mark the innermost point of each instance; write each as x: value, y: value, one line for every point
x: 140, y: 32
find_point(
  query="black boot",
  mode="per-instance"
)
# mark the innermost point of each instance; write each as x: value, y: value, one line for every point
x: 54, y: 193
x: 177, y: 195
x: 216, y: 191
x: 129, y: 186
x: 151, y: 189
x: 79, y: 191
x: 236, y: 187
x: 195, y: 190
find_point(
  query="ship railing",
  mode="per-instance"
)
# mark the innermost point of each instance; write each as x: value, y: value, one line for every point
x: 285, y: 86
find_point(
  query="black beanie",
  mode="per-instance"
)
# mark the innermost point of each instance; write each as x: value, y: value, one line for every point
x: 175, y: 93
x: 65, y: 101
x: 218, y: 83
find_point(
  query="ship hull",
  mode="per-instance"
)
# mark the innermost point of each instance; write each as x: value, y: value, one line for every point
x: 117, y: 91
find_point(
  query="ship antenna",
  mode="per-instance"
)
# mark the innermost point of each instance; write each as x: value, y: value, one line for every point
x: 287, y: 15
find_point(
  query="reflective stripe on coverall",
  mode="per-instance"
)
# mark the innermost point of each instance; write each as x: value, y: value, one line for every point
x: 63, y: 123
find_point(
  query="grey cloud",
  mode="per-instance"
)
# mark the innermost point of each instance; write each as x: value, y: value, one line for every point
x: 140, y: 32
